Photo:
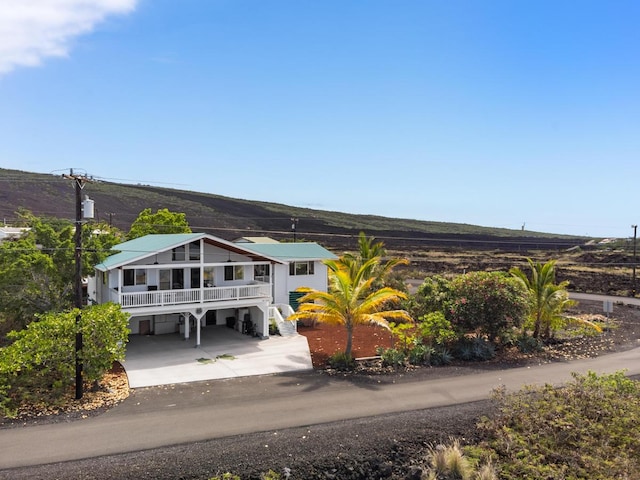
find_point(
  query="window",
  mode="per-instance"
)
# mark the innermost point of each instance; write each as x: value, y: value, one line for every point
x: 178, y: 254
x: 233, y: 272
x: 135, y: 277
x: 194, y: 251
x: 261, y: 272
x: 301, y: 268
x: 165, y: 279
x: 209, y: 276
x: 141, y: 276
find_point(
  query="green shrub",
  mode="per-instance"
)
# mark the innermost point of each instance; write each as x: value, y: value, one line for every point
x: 270, y: 475
x: 342, y: 361
x: 392, y: 357
x: 435, y: 329
x: 441, y: 356
x: 486, y: 303
x: 587, y: 430
x: 420, y: 354
x: 226, y: 476
x: 39, y: 364
x: 528, y: 344
x: 474, y: 349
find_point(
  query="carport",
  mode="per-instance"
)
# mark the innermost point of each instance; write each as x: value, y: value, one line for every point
x: 223, y: 353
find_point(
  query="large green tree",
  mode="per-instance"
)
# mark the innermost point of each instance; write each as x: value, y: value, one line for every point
x: 37, y: 270
x: 351, y: 300
x: 548, y: 299
x: 163, y: 221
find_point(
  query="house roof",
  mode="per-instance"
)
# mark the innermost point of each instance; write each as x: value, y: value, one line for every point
x: 138, y: 248
x: 255, y: 240
x: 12, y: 232
x: 293, y: 251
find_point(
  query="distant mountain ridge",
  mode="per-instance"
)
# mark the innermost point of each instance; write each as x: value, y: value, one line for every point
x: 229, y: 218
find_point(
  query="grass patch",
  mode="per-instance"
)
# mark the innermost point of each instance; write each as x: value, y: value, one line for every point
x: 226, y: 356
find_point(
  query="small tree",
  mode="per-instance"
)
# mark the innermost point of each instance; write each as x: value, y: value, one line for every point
x: 487, y: 303
x: 351, y: 300
x: 163, y: 221
x: 547, y: 299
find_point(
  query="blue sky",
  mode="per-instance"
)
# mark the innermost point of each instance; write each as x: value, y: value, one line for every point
x: 493, y: 113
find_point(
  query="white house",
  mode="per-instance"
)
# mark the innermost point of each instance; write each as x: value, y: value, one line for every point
x: 182, y: 282
x: 300, y: 265
x: 12, y: 233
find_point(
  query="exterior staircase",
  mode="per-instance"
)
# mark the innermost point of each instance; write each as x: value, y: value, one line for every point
x: 278, y: 314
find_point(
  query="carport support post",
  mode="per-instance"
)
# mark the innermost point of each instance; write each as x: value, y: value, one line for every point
x: 187, y: 325
x: 198, y: 317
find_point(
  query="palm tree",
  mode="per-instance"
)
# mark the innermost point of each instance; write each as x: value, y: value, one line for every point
x: 548, y: 299
x: 351, y: 300
x: 367, y: 250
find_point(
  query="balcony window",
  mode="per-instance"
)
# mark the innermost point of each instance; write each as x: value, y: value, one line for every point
x: 135, y: 277
x: 209, y: 278
x: 261, y: 273
x: 165, y: 279
x: 233, y: 272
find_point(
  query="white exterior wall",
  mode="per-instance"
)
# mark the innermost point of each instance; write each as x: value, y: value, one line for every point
x: 317, y: 281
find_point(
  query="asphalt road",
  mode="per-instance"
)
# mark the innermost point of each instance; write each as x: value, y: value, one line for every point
x: 185, y: 413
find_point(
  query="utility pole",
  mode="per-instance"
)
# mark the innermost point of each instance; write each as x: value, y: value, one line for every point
x: 633, y: 276
x: 294, y: 224
x: 79, y: 182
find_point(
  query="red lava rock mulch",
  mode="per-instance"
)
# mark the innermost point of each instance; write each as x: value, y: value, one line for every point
x: 325, y: 340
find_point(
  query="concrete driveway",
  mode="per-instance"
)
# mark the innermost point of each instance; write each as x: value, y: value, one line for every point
x: 223, y: 353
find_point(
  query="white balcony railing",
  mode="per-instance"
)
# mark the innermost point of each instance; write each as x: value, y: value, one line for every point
x: 192, y: 295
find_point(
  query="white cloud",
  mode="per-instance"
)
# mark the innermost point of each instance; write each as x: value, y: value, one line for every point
x: 32, y: 30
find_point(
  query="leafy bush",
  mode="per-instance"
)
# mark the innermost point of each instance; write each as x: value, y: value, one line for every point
x: 587, y: 430
x: 435, y: 329
x: 392, y: 357
x: 475, y: 349
x: 432, y: 296
x: 420, y: 354
x: 528, y: 344
x: 487, y: 303
x: 441, y: 356
x: 39, y: 366
x: 342, y: 361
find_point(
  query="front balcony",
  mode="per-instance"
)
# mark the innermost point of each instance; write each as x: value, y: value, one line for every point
x: 167, y: 298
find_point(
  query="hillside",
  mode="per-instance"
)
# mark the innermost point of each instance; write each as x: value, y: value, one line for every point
x: 52, y: 195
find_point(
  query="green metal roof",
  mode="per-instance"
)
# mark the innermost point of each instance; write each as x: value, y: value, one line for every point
x: 144, y: 246
x: 292, y: 251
